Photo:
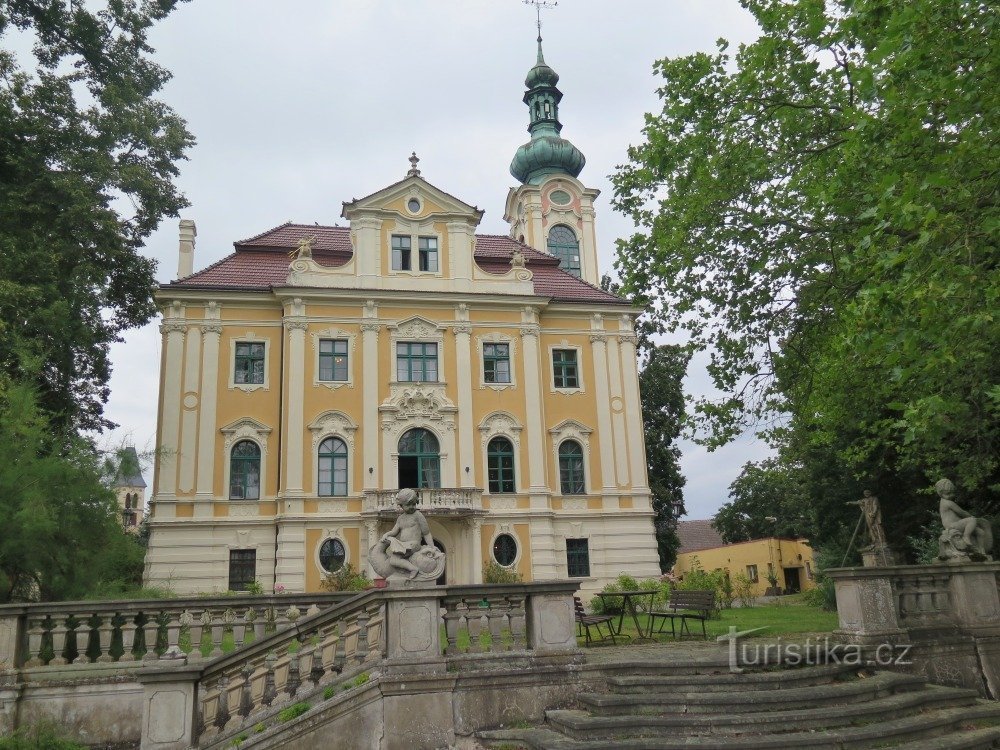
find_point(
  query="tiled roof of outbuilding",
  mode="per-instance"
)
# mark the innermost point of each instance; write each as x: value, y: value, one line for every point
x: 697, y: 535
x: 261, y: 262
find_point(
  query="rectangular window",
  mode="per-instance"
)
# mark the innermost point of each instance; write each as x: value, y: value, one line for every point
x: 564, y: 368
x: 242, y: 568
x: 809, y: 570
x: 400, y: 253
x: 333, y: 359
x: 577, y: 558
x: 427, y: 247
x: 249, y: 363
x: 752, y: 573
x: 416, y: 362
x: 496, y: 363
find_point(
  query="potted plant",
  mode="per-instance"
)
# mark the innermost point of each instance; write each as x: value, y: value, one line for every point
x: 772, y: 584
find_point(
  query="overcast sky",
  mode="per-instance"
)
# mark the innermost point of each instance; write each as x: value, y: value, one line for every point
x: 299, y: 106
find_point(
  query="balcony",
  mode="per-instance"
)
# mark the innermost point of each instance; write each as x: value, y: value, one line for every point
x: 442, y: 501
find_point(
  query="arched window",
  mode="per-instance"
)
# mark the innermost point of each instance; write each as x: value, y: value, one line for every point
x: 563, y: 245
x: 332, y: 555
x: 500, y: 465
x: 419, y: 460
x: 332, y: 479
x: 571, y: 469
x: 244, y: 471
x: 128, y: 501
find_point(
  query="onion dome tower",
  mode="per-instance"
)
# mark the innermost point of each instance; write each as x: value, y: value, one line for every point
x: 546, y: 153
x: 551, y: 210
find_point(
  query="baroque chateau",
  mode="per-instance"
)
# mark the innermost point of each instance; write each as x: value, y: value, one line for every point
x: 316, y: 370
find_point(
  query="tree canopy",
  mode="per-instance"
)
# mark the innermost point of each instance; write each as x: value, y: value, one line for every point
x: 86, y: 170
x: 820, y: 210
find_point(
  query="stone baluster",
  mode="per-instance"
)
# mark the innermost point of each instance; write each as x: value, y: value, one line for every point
x: 173, y: 633
x: 270, y: 692
x: 259, y: 623
x: 453, y: 617
x: 474, y: 617
x: 340, y: 652
x: 497, y: 615
x: 518, y: 624
x: 222, y: 715
x: 59, y: 631
x: 246, y: 691
x: 361, y: 648
x: 292, y: 680
x: 128, y: 637
x: 35, y: 634
x: 209, y: 708
x: 239, y: 625
x: 329, y: 647
x: 218, y: 629
x: 308, y: 672
x: 81, y: 638
x: 313, y: 610
x: 150, y: 631
x: 104, y: 631
x: 280, y: 619
x: 197, y: 631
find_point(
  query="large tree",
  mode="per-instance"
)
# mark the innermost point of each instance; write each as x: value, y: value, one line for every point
x: 820, y: 209
x: 87, y: 160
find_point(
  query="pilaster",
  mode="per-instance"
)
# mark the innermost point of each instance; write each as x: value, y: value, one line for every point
x: 187, y: 449
x: 369, y: 396
x: 633, y: 406
x: 296, y: 326
x: 599, y: 347
x: 533, y: 407
x: 366, y: 234
x: 174, y: 328
x: 466, y: 435
x: 211, y: 334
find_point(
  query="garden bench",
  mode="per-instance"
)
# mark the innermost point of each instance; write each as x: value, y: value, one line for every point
x: 585, y: 622
x: 685, y: 605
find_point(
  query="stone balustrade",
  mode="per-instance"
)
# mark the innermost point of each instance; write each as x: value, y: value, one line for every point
x: 51, y: 635
x: 433, y: 501
x: 494, y: 621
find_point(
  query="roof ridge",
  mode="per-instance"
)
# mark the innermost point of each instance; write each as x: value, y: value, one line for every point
x: 266, y: 231
x: 209, y: 267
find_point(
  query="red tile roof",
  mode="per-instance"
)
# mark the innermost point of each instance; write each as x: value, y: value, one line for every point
x: 261, y: 262
x: 697, y: 535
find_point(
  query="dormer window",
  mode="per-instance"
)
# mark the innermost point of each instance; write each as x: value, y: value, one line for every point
x: 427, y: 253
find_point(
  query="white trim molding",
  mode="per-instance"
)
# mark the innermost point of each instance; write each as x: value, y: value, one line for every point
x: 497, y: 338
x: 501, y: 424
x: 414, y: 229
x: 415, y: 330
x: 250, y: 337
x: 580, y: 385
x: 334, y: 334
x: 336, y: 424
x: 245, y: 429
x: 570, y: 429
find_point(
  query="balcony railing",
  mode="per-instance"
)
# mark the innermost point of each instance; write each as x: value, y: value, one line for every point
x: 437, y: 501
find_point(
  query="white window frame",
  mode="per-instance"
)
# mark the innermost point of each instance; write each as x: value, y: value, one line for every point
x: 501, y: 424
x: 333, y: 424
x: 496, y: 338
x: 414, y: 230
x: 250, y: 337
x: 417, y: 330
x: 570, y: 429
x: 497, y: 532
x: 245, y: 429
x: 331, y: 534
x: 580, y: 385
x: 334, y: 334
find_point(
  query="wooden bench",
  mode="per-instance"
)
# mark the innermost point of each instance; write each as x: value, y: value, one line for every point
x: 685, y: 605
x: 585, y: 622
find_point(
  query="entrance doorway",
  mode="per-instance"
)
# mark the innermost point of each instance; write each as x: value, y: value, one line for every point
x: 419, y: 460
x: 443, y: 578
x: 792, y: 585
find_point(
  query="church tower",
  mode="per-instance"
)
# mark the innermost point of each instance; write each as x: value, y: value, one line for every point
x: 551, y: 210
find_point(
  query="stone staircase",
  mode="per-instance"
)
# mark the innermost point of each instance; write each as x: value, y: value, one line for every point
x: 830, y: 706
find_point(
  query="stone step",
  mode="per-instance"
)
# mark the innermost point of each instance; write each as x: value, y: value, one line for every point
x: 805, y: 697
x: 581, y: 725
x: 944, y: 729
x: 728, y: 681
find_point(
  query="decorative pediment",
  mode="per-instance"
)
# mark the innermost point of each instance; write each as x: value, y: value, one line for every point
x: 417, y: 403
x: 332, y: 423
x: 246, y: 428
x: 416, y: 327
x: 396, y: 199
x: 500, y: 423
x: 570, y: 427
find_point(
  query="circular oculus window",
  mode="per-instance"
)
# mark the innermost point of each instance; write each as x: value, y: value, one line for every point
x: 560, y: 197
x: 332, y: 555
x: 413, y: 205
x: 505, y: 549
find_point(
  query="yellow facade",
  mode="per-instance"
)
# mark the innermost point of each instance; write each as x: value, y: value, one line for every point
x: 791, y: 560
x: 199, y: 527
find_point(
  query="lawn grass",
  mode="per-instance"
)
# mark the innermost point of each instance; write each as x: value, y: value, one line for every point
x: 776, y: 619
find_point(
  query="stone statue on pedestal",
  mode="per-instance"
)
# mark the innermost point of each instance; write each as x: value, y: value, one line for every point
x: 965, y: 538
x: 406, y: 555
x: 877, y: 553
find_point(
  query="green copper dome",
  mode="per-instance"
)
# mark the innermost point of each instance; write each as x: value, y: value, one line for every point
x: 546, y: 153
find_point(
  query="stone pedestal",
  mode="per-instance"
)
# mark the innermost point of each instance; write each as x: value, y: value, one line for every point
x: 878, y: 556
x: 168, y: 707
x: 412, y: 630
x: 867, y: 610
x: 551, y: 623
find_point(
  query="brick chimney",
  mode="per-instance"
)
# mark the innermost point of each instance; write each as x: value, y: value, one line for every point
x: 185, y: 252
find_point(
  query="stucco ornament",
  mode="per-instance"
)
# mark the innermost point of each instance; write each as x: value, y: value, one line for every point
x: 965, y: 537
x: 406, y: 555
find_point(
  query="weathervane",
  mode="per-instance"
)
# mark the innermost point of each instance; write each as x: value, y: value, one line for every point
x: 539, y: 4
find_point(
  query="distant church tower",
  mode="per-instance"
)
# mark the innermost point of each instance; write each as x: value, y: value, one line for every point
x: 551, y: 210
x: 130, y: 489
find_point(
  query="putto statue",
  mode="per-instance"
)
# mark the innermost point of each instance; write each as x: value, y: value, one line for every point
x: 965, y: 537
x: 406, y: 555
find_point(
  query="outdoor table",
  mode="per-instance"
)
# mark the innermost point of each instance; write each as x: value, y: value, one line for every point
x: 628, y: 603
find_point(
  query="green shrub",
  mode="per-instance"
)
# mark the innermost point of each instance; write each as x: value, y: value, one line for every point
x: 743, y: 590
x: 329, y: 693
x: 494, y: 572
x: 259, y: 727
x: 39, y: 737
x: 240, y: 738
x: 293, y: 712
x: 625, y: 582
x: 345, y: 579
x: 255, y: 588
